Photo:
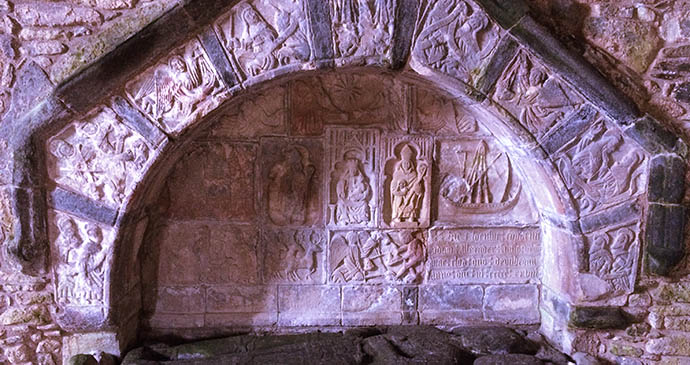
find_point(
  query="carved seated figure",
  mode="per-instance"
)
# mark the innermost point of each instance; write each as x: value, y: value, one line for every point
x: 353, y: 195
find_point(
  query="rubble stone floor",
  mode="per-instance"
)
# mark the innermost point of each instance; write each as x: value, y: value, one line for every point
x: 369, y: 345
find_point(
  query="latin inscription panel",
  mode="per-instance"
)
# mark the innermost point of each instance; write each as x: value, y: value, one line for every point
x: 484, y: 255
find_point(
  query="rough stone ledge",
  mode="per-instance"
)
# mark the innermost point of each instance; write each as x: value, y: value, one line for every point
x: 655, y: 138
x: 664, y: 237
x: 576, y: 70
x: 666, y: 179
x: 597, y: 318
x: 618, y: 214
x: 81, y: 206
x: 405, y: 21
x: 498, y: 63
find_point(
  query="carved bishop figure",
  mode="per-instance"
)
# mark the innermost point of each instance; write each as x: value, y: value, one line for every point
x: 407, y: 187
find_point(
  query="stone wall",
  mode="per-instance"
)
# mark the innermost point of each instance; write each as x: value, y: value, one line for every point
x: 283, y: 213
x: 647, y: 63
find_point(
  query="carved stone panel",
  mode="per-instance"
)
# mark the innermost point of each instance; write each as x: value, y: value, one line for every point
x: 538, y: 99
x: 478, y: 183
x: 377, y: 256
x: 81, y: 255
x: 454, y: 37
x: 437, y: 114
x: 179, y: 90
x: 261, y: 36
x: 262, y: 113
x: 346, y: 98
x: 294, y: 256
x: 363, y: 28
x: 352, y: 188
x: 199, y: 253
x: 614, y: 257
x: 291, y: 172
x: 484, y: 255
x: 600, y: 169
x: 214, y: 180
x: 406, y: 181
x: 99, y: 157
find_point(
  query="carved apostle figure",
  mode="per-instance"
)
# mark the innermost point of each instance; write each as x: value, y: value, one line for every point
x: 407, y: 187
x: 92, y: 263
x: 289, y: 187
x: 259, y: 38
x: 70, y: 243
x: 353, y: 193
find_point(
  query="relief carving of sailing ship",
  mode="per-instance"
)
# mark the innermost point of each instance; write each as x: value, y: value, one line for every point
x: 482, y: 182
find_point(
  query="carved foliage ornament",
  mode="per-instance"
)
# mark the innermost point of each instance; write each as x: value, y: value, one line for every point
x: 180, y: 90
x: 261, y: 36
x: 362, y: 27
x: 81, y: 256
x: 101, y: 158
x: 374, y: 256
x: 454, y: 37
x: 599, y: 169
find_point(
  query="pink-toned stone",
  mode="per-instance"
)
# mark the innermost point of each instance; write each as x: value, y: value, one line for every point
x: 450, y: 298
x: 438, y: 114
x: 241, y: 299
x: 173, y: 321
x: 293, y: 256
x: 371, y: 299
x: 261, y: 114
x: 180, y: 300
x: 219, y: 320
x: 515, y: 304
x: 219, y: 174
x: 314, y: 305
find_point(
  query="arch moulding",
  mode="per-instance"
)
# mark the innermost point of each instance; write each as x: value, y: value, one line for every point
x: 563, y: 124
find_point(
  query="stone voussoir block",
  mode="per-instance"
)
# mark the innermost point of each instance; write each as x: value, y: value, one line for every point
x: 576, y: 70
x: 664, y: 236
x: 666, y: 179
x: 655, y: 138
x: 81, y: 206
x: 405, y: 20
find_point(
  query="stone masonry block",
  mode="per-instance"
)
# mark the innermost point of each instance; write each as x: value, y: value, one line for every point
x: 667, y: 179
x: 515, y: 304
x: 664, y: 237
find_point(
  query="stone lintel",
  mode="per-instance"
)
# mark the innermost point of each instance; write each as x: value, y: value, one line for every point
x: 664, y: 237
x: 576, y: 70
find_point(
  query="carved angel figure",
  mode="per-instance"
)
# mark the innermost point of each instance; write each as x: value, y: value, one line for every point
x: 353, y: 192
x: 358, y: 256
x: 174, y: 92
x: 405, y: 262
x: 407, y: 187
x: 289, y: 187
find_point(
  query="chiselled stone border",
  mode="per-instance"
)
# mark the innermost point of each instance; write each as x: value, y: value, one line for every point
x: 28, y: 248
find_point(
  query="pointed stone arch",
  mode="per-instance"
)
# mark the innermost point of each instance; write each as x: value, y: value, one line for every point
x: 551, y: 109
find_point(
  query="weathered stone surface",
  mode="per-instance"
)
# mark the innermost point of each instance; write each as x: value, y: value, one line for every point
x: 494, y: 340
x: 506, y: 12
x: 309, y: 305
x: 218, y: 58
x: 450, y: 297
x: 371, y: 299
x: 505, y: 52
x: 677, y: 323
x: 241, y: 299
x: 597, y: 317
x: 81, y: 206
x: 82, y: 360
x: 294, y: 256
x: 674, y: 293
x: 47, y: 14
x: 516, y: 359
x: 575, y: 70
x: 654, y: 137
x: 610, y: 217
x: 664, y: 237
x: 666, y: 179
x: 416, y: 344
x: 512, y: 304
x: 671, y: 345
x: 180, y: 300
x: 613, y: 257
x: 405, y: 18
x: 321, y: 31
x: 566, y: 131
x: 137, y: 121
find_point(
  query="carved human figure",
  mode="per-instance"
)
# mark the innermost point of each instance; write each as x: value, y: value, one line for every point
x: 620, y: 250
x: 350, y: 267
x: 407, y: 187
x: 91, y: 264
x: 289, y: 187
x: 300, y: 252
x: 353, y: 192
x: 408, y: 258
x: 600, y: 259
x: 69, y: 242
